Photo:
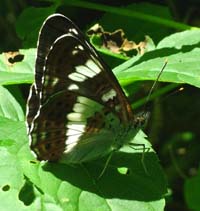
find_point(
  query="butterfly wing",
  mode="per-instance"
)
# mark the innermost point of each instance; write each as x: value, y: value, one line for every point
x: 82, y: 106
x: 53, y: 27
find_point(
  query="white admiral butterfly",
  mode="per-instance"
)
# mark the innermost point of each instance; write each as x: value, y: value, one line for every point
x: 77, y: 110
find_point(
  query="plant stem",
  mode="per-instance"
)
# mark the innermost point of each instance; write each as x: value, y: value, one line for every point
x: 130, y: 13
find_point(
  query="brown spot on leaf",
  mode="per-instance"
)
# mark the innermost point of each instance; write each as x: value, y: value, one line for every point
x: 117, y: 42
x: 13, y: 57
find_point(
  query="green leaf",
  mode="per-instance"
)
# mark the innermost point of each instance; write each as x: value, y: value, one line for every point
x: 54, y: 186
x: 33, y: 17
x: 180, y: 40
x: 182, y: 66
x: 18, y: 72
x: 192, y: 192
x: 136, y: 28
x: 9, y: 107
x: 11, y: 178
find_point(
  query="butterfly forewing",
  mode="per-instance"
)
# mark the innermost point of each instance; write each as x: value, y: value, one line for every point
x: 80, y: 107
x: 53, y: 27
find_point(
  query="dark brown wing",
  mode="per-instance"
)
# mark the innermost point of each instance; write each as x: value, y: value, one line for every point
x: 69, y: 69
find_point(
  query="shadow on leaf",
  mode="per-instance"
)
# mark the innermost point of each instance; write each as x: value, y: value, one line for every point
x: 133, y: 185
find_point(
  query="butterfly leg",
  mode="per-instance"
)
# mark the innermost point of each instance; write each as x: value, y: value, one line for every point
x: 145, y: 149
x: 106, y: 164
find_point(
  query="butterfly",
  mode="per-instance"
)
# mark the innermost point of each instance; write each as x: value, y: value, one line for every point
x: 76, y: 110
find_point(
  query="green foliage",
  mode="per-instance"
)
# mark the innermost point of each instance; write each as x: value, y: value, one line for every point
x: 192, y: 192
x: 27, y: 184
x: 19, y: 72
x: 182, y: 56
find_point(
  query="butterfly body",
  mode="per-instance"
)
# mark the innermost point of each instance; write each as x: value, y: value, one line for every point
x: 77, y: 111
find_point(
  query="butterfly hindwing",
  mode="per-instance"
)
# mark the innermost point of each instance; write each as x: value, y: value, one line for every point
x: 80, y: 107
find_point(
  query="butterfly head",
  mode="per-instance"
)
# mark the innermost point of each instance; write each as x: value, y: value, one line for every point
x: 141, y: 119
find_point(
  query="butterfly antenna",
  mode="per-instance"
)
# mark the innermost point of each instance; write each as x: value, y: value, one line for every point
x: 154, y: 85
x: 145, y: 114
x: 180, y: 89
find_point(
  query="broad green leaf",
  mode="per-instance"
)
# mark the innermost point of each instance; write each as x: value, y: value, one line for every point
x: 54, y: 186
x: 7, y: 78
x: 182, y: 66
x: 136, y: 28
x: 33, y: 17
x: 9, y: 107
x: 11, y: 178
x: 192, y: 192
x: 181, y: 39
x: 18, y: 72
